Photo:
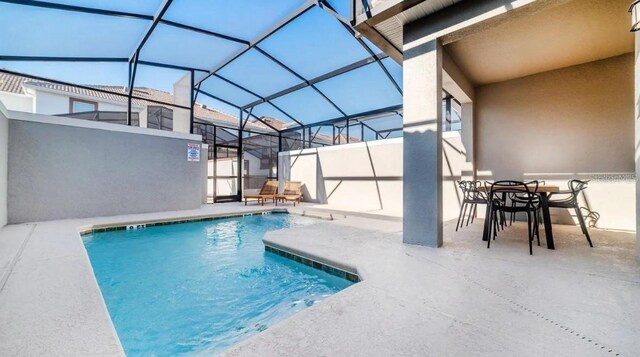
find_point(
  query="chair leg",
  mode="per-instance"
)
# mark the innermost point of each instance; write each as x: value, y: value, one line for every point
x: 490, y: 218
x: 512, y: 216
x: 464, y: 204
x: 475, y: 210
x: 530, y: 236
x: 583, y: 225
x: 536, y: 226
x: 471, y: 206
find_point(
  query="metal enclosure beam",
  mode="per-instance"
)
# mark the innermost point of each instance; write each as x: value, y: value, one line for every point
x: 262, y: 99
x: 301, y: 78
x: 237, y: 107
x: 134, y: 60
x: 292, y: 16
x: 363, y: 115
x: 334, y: 73
x: 327, y: 7
x: 81, y: 9
x: 156, y: 19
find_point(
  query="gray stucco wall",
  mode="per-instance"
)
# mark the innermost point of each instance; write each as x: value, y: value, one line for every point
x: 4, y: 145
x: 61, y: 172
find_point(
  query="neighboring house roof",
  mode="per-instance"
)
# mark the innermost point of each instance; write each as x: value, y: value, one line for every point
x: 276, y: 123
x: 16, y: 84
x: 12, y: 84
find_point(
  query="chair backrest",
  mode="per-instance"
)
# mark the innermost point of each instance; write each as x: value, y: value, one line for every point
x: 464, y: 188
x: 576, y: 186
x: 474, y: 192
x: 526, y: 190
x: 270, y: 187
x: 292, y: 188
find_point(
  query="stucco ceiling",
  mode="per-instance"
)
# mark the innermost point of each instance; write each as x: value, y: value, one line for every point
x: 577, y: 32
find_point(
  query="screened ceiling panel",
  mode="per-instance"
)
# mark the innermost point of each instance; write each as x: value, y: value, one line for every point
x: 392, y: 121
x: 394, y: 69
x: 313, y: 44
x: 144, y: 7
x: 218, y: 105
x: 244, y: 19
x: 371, y: 46
x: 307, y: 106
x: 158, y: 78
x: 186, y: 48
x: 227, y: 91
x: 259, y: 74
x: 68, y: 34
x: 342, y: 7
x: 268, y: 110
x: 364, y: 89
x: 106, y: 74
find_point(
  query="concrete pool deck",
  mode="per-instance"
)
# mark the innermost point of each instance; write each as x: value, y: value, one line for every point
x: 463, y: 299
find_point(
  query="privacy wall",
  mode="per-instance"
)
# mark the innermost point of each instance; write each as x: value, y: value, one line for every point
x: 63, y: 168
x: 367, y: 176
x: 575, y: 122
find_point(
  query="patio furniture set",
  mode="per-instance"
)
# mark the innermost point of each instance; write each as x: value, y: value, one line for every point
x: 508, y: 198
x: 292, y: 192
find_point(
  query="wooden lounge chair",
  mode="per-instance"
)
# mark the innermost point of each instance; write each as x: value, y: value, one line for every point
x: 268, y: 191
x: 292, y: 192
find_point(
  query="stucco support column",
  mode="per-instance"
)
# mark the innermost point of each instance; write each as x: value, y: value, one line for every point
x: 422, y: 157
x: 637, y: 140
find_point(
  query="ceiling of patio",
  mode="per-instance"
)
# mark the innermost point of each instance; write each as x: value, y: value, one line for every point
x: 578, y: 32
x: 295, y: 60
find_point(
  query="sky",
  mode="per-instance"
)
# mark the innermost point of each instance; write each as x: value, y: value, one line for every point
x: 313, y: 44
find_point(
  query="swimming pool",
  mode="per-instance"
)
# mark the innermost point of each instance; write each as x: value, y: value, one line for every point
x: 201, y: 287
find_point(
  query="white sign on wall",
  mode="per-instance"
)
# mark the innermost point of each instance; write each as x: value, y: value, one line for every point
x: 193, y: 152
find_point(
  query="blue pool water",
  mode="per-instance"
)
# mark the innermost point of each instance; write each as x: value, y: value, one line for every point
x: 198, y: 288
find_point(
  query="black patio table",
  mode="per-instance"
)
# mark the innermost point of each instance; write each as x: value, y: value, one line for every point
x: 543, y: 191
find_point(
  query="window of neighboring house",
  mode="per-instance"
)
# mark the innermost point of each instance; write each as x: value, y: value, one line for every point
x: 82, y: 106
x: 159, y: 118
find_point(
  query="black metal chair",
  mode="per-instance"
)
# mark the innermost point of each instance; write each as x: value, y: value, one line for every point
x: 569, y: 199
x: 518, y: 198
x: 471, y: 198
x: 528, y: 203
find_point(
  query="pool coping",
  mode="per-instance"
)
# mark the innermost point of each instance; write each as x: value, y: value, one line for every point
x: 136, y: 224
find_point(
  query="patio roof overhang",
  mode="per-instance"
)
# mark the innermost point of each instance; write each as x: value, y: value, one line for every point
x: 282, y: 56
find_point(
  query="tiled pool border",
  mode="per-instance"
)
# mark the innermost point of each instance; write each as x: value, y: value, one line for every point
x: 152, y: 223
x: 354, y: 278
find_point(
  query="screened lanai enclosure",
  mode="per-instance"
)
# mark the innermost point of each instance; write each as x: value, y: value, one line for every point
x: 293, y: 74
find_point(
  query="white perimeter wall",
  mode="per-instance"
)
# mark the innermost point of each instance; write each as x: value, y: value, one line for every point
x: 367, y: 176
x: 4, y: 147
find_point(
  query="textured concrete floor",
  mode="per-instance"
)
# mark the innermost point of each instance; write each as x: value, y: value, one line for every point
x: 461, y: 300
x: 464, y: 299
